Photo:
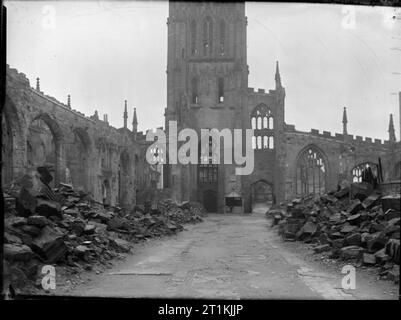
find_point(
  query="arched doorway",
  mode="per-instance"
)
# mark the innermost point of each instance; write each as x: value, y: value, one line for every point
x: 311, y: 171
x: 262, y: 196
x: 208, y: 177
x: 44, y: 146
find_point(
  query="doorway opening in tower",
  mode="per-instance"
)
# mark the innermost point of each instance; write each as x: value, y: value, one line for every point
x: 262, y: 196
x: 208, y: 177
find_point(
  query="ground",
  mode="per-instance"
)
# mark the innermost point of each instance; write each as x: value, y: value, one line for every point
x: 227, y: 256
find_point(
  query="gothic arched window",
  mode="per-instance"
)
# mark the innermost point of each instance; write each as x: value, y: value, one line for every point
x: 207, y: 36
x: 310, y: 172
x: 361, y: 171
x: 193, y: 38
x: 222, y: 37
x: 262, y: 123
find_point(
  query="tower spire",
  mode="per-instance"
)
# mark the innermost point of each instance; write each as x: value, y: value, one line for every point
x: 345, y: 121
x: 135, y: 122
x: 391, y: 132
x: 277, y: 77
x: 125, y: 116
x: 37, y: 84
x: 69, y: 101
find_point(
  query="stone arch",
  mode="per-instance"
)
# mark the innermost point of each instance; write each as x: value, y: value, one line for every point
x: 311, y: 171
x: 77, y: 159
x: 261, y: 195
x: 359, y: 171
x: 45, y: 145
x: 262, y: 119
x: 13, y: 144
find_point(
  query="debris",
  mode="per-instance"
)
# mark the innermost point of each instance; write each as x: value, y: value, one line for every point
x: 65, y: 227
x: 367, y: 232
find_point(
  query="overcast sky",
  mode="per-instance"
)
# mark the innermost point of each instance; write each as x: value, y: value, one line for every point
x: 105, y: 52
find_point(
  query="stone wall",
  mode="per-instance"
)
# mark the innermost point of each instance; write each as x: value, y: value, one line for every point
x: 85, y: 151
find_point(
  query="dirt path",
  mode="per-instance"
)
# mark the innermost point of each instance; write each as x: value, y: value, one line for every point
x: 228, y: 256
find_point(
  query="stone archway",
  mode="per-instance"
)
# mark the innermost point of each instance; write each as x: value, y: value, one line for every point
x: 13, y: 144
x: 44, y: 146
x: 311, y: 171
x: 77, y: 160
x: 262, y: 196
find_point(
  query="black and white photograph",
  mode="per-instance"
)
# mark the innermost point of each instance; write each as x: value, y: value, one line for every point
x: 211, y: 153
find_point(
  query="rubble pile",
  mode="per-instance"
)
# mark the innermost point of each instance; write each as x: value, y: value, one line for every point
x: 361, y: 226
x: 68, y: 228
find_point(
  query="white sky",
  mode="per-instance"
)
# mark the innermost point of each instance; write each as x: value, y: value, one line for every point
x: 103, y: 52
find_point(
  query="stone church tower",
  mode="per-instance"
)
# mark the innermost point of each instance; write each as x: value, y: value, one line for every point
x: 207, y: 87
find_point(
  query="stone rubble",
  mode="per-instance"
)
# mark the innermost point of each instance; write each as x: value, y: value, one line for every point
x: 363, y: 227
x: 76, y: 232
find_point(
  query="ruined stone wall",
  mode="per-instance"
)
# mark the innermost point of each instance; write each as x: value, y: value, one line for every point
x: 341, y: 154
x: 84, y: 151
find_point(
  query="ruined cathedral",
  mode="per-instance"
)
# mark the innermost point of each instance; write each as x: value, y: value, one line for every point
x: 207, y: 87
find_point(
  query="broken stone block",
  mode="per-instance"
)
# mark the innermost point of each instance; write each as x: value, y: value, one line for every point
x: 82, y: 252
x: 348, y: 228
x: 77, y: 227
x: 31, y: 230
x: 100, y: 228
x: 369, y: 259
x: 351, y: 252
x: 38, y: 221
x: 89, y: 229
x: 118, y: 224
x: 308, y: 229
x: 49, y: 245
x: 18, y: 252
x: 391, y: 214
x: 371, y: 200
x: 71, y: 212
x: 342, y: 193
x: 338, y: 243
x: 16, y: 221
x: 391, y: 202
x: 376, y: 242
x: 120, y: 244
x: 354, y: 239
x: 392, y: 249
x: 381, y: 256
x: 324, y: 239
x: 10, y: 238
x: 361, y: 190
x: 335, y: 218
x: 48, y: 208
x: 322, y: 248
x: 25, y: 203
x: 354, y: 219
x: 355, y: 206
